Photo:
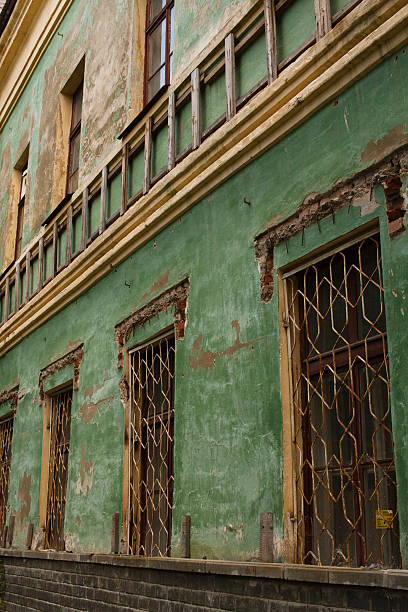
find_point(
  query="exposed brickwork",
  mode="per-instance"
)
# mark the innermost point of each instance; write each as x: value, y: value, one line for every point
x: 72, y: 358
x: 176, y: 298
x: 12, y: 395
x: 358, y: 190
x: 54, y: 584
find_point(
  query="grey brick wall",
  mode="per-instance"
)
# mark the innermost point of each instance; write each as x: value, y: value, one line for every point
x: 53, y: 582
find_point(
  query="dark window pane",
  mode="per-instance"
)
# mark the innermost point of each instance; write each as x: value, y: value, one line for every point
x: 77, y: 107
x: 157, y: 48
x: 155, y: 7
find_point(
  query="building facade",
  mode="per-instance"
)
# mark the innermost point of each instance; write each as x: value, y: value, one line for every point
x: 203, y: 281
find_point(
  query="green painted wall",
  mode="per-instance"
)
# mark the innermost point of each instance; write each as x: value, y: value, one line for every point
x: 228, y: 443
x: 35, y: 116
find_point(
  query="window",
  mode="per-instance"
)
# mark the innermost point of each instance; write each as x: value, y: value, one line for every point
x: 74, y: 140
x: 346, y: 488
x: 60, y: 424
x: 6, y: 436
x: 20, y: 212
x: 151, y: 440
x: 159, y: 45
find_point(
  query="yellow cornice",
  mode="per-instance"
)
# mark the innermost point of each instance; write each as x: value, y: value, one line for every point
x: 376, y: 30
x: 27, y: 34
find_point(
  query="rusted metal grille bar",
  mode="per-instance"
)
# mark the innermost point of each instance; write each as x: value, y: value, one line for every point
x: 61, y: 405
x: 6, y: 436
x: 151, y: 438
x: 346, y: 491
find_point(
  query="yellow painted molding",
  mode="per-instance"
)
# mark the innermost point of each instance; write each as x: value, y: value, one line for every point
x: 337, y: 61
x: 31, y: 26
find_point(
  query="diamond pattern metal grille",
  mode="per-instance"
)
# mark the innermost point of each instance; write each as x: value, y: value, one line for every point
x: 342, y: 431
x: 6, y: 436
x: 151, y: 439
x: 58, y: 475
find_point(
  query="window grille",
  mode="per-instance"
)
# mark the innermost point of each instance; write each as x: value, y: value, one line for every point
x: 6, y: 436
x: 345, y: 489
x: 151, y: 437
x: 61, y: 405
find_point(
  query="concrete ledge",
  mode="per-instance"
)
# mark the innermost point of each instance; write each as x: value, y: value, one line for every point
x: 364, y: 577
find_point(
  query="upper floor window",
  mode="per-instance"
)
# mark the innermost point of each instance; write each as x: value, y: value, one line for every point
x: 159, y: 45
x: 74, y: 140
x: 20, y: 212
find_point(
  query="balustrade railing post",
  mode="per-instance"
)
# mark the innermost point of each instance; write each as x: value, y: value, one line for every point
x: 17, y: 282
x: 271, y: 40
x: 125, y: 175
x: 84, y: 219
x: 40, y: 263
x: 27, y: 279
x: 104, y: 193
x: 171, y: 122
x: 323, y: 17
x: 230, y: 76
x: 68, y: 250
x: 7, y: 299
x: 54, y: 249
x: 195, y: 108
x: 147, y: 154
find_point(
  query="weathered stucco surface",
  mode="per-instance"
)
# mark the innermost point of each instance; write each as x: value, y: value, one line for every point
x: 228, y: 423
x: 36, y: 115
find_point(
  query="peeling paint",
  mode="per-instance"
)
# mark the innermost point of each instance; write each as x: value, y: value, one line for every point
x: 159, y: 285
x: 206, y: 359
x: 377, y: 150
x: 89, y: 410
x: 24, y: 497
x: 86, y: 474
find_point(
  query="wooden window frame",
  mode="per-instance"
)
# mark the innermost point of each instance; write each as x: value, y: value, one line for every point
x: 20, y: 211
x: 74, y: 133
x: 151, y: 26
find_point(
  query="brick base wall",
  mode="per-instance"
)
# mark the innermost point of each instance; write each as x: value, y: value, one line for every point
x: 52, y: 582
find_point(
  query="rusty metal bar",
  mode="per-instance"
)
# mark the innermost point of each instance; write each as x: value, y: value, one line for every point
x: 185, y: 550
x: 266, y: 537
x: 4, y: 537
x: 10, y: 534
x: 115, y: 534
x: 29, y: 538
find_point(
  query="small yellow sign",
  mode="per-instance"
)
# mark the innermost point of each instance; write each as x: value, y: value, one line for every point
x: 384, y: 519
